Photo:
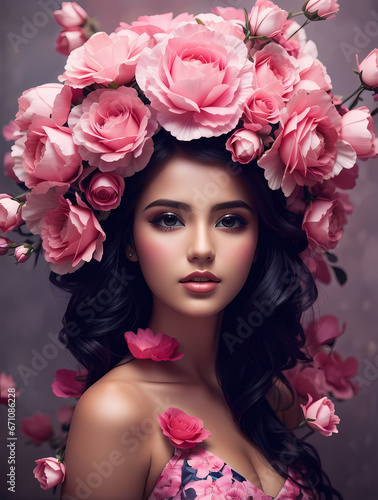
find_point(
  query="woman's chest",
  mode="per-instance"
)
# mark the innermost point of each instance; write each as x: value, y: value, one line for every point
x: 226, y: 443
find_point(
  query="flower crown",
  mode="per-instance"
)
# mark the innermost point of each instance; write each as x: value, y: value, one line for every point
x: 251, y: 75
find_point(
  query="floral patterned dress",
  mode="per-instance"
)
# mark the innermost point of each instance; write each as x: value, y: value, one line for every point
x: 196, y: 473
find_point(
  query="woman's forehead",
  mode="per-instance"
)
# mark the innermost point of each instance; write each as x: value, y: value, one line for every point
x: 196, y: 183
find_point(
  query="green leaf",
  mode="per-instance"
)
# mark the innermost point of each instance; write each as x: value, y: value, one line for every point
x: 331, y: 257
x: 340, y: 274
x: 200, y: 22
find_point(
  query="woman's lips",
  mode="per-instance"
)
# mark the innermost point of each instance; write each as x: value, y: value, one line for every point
x: 200, y: 286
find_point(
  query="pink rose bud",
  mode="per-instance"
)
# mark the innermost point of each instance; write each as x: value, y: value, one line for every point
x: 322, y: 415
x: 183, y: 430
x: 358, y: 130
x: 105, y: 191
x: 49, y: 472
x: 369, y: 69
x: 145, y: 345
x: 37, y: 428
x: 22, y: 253
x: 321, y: 9
x: 267, y: 19
x: 4, y: 245
x: 68, y: 383
x: 70, y: 39
x: 245, y: 145
x: 10, y: 215
x: 70, y: 15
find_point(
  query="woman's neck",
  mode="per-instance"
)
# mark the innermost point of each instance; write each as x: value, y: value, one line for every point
x: 198, y: 338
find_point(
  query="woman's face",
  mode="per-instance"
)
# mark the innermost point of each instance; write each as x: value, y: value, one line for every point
x: 195, y: 218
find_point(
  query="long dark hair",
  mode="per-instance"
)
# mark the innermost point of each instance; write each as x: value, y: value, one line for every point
x: 261, y: 334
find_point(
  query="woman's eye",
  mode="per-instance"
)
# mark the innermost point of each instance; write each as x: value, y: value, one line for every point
x: 166, y: 221
x: 232, y: 222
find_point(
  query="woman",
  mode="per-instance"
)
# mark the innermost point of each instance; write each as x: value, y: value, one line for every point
x: 241, y: 237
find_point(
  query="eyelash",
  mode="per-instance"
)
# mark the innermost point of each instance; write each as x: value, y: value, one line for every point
x: 155, y: 222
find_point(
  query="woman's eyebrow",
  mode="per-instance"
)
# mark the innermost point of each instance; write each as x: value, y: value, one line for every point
x: 184, y: 206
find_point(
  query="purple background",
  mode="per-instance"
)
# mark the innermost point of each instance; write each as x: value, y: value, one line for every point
x: 30, y: 310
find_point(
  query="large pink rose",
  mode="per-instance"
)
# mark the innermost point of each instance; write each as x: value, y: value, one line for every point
x: 358, y: 130
x: 338, y: 373
x: 276, y: 70
x: 10, y: 213
x: 105, y: 59
x: 37, y: 100
x: 368, y: 69
x: 49, y: 472
x: 71, y: 235
x: 245, y: 145
x: 323, y: 222
x: 145, y: 345
x: 69, y: 40
x: 197, y: 80
x: 183, y: 430
x: 267, y: 19
x: 68, y: 383
x: 70, y: 15
x: 50, y: 153
x: 37, y: 428
x: 261, y: 110
x: 322, y: 412
x: 113, y: 130
x: 308, y: 148
x: 105, y: 191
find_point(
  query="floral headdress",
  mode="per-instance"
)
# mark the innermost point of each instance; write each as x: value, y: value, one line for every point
x: 251, y: 75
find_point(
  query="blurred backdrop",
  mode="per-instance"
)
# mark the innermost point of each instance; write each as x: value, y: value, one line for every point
x: 31, y: 311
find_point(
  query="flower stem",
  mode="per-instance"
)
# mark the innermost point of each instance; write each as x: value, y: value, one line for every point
x: 300, y: 27
x: 359, y: 90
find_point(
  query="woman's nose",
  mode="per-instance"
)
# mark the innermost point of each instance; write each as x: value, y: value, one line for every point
x: 201, y: 244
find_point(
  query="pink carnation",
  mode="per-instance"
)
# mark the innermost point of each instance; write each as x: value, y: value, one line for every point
x: 10, y: 131
x: 338, y: 373
x: 307, y: 148
x: 68, y: 383
x: 49, y: 472
x: 160, y: 23
x: 113, y: 130
x: 71, y: 235
x: 323, y: 222
x: 183, y: 431
x: 197, y: 80
x: 312, y: 75
x: 357, y: 129
x: 145, y: 345
x: 37, y: 428
x: 10, y: 213
x: 105, y: 59
x: 322, y: 412
x: 267, y: 19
